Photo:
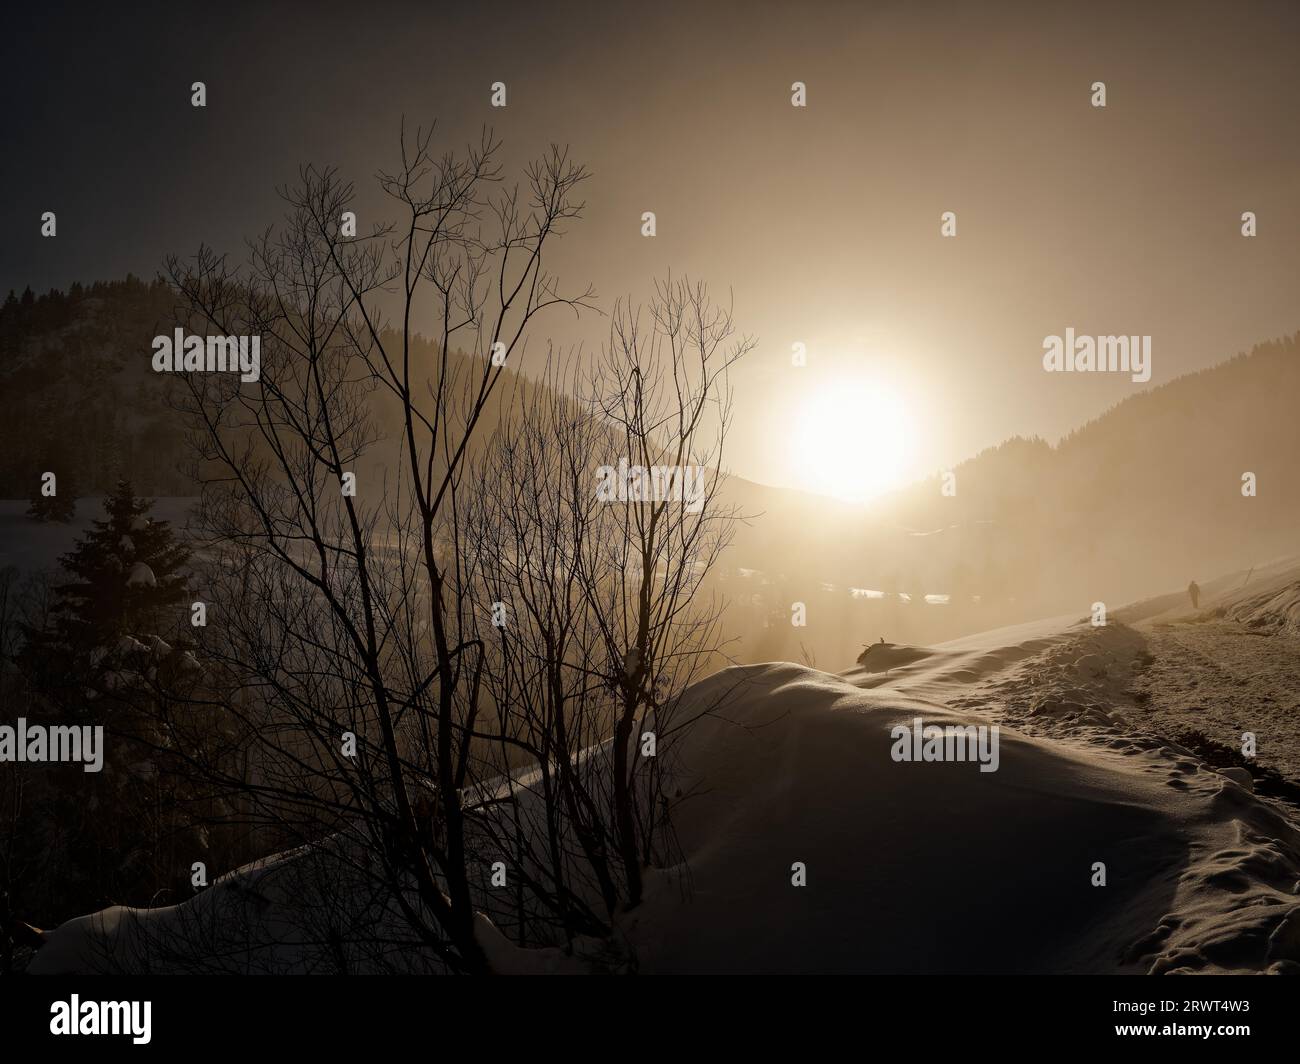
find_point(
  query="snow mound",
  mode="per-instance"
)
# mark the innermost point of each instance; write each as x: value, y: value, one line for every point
x: 128, y: 645
x: 283, y: 914
x: 924, y: 867
x: 882, y: 656
x: 141, y: 576
x: 933, y: 671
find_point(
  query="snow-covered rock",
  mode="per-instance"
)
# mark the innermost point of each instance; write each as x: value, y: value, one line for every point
x: 141, y: 576
x: 1239, y: 776
x: 129, y: 645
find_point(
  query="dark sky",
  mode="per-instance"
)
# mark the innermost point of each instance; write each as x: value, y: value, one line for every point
x: 824, y: 221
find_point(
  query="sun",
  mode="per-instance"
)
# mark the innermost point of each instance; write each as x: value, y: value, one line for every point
x: 850, y: 440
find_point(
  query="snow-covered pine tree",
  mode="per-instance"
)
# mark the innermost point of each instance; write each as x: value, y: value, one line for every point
x: 128, y: 578
x: 101, y: 659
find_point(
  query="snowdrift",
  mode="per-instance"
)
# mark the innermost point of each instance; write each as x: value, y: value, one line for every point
x: 939, y: 867
x: 1273, y: 610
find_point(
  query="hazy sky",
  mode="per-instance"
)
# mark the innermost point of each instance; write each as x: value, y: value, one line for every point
x: 823, y: 221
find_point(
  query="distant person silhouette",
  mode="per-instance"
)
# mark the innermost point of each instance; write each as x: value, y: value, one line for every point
x: 1195, y: 593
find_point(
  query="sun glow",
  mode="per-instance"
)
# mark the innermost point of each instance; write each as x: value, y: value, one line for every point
x: 850, y: 440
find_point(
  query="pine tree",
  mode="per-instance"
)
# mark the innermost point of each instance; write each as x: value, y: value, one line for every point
x: 62, y: 506
x: 121, y: 833
x: 129, y: 577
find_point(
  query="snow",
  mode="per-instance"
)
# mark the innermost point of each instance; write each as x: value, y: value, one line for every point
x: 911, y: 866
x: 1229, y: 666
x: 1275, y: 609
x: 141, y: 576
x: 938, y: 867
x: 129, y: 645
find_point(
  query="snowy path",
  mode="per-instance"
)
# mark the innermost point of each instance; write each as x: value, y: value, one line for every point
x: 1225, y: 679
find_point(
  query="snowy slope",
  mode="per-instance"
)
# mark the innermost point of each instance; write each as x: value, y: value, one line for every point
x: 916, y: 867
